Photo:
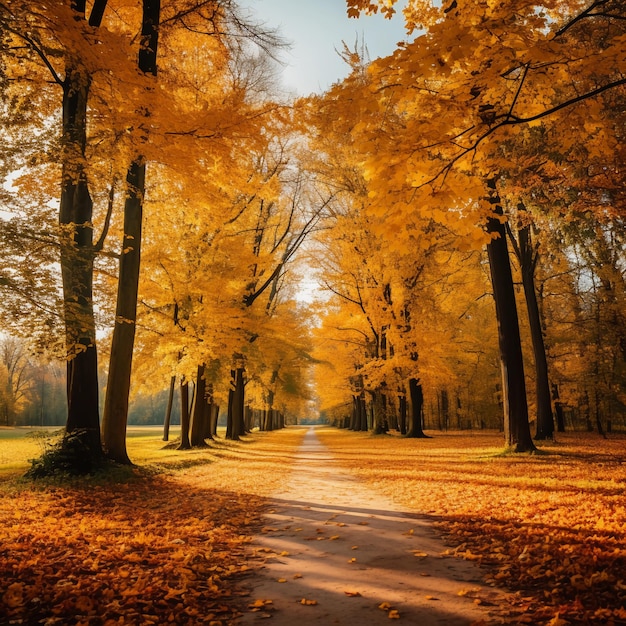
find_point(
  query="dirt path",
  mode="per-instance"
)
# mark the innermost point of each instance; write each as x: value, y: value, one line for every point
x: 336, y: 552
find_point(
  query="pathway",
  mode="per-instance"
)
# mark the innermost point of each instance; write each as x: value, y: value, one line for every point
x: 339, y: 554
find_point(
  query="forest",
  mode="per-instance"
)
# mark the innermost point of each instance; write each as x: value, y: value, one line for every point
x: 457, y: 206
x: 428, y: 258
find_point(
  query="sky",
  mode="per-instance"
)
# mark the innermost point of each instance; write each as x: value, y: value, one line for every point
x: 315, y: 29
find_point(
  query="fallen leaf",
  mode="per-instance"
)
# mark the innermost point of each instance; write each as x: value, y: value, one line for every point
x: 308, y: 602
x: 352, y: 594
x: 393, y: 614
x: 14, y: 595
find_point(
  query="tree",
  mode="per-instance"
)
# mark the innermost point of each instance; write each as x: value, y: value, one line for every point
x: 17, y: 379
x: 115, y: 414
x: 516, y: 427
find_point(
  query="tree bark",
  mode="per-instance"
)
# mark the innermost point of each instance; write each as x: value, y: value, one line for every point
x: 77, y: 261
x: 516, y: 427
x: 118, y: 387
x: 185, y: 444
x: 237, y: 401
x: 168, y: 410
x: 416, y: 394
x: 115, y: 414
x: 402, y: 414
x: 528, y: 256
x: 198, y: 428
x: 558, y: 409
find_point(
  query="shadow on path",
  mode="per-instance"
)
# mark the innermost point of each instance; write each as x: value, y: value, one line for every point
x: 335, y: 551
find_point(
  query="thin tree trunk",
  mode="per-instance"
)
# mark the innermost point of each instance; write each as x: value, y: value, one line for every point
x: 403, y: 414
x: 115, y: 414
x: 528, y: 256
x: 516, y: 427
x: 363, y: 412
x: 215, y: 414
x: 185, y: 444
x: 558, y: 409
x: 118, y: 387
x: 168, y: 410
x: 378, y: 421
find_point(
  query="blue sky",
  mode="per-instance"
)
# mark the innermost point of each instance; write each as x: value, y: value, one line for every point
x: 316, y: 29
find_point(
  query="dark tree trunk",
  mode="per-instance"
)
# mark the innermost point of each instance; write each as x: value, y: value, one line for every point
x: 237, y: 405
x: 528, y: 257
x: 558, y: 409
x: 185, y: 444
x: 416, y: 394
x: 77, y: 260
x: 445, y: 408
x: 115, y: 415
x: 402, y: 414
x: 270, y: 409
x: 215, y: 414
x: 363, y: 409
x: 516, y: 427
x: 229, y: 414
x: 168, y: 410
x: 198, y: 428
x: 118, y: 387
x: 378, y: 418
x: 599, y: 415
x: 353, y: 414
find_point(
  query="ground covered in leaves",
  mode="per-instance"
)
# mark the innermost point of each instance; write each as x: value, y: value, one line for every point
x: 550, y: 527
x: 167, y: 543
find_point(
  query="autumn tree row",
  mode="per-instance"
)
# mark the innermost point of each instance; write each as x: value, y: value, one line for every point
x: 497, y: 127
x: 182, y: 206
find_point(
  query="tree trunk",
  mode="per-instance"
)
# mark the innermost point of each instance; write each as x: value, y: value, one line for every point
x: 558, y: 409
x: 354, y: 421
x: 185, y: 444
x: 445, y: 409
x: 168, y: 410
x: 198, y: 421
x: 363, y: 412
x: 528, y: 257
x: 77, y: 259
x: 516, y: 427
x: 120, y: 365
x: 416, y: 394
x: 236, y: 412
x: 598, y: 413
x: 215, y: 414
x: 402, y: 414
x: 378, y: 421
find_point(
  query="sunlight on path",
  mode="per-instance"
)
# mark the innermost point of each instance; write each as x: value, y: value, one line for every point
x: 336, y: 552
